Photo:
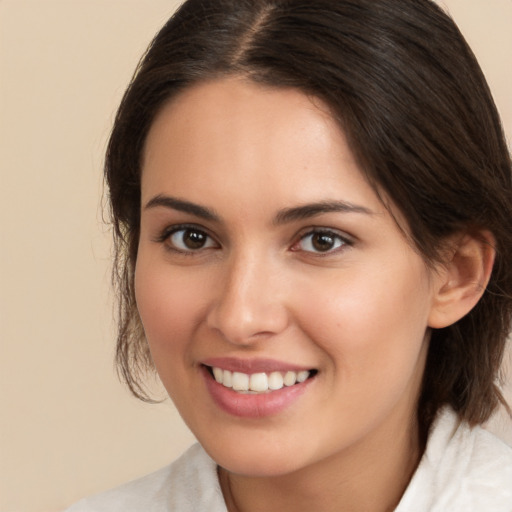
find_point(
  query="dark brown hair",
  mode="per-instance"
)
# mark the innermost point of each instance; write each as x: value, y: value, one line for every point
x: 405, y: 87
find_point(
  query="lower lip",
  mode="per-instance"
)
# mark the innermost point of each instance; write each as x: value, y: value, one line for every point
x: 253, y: 406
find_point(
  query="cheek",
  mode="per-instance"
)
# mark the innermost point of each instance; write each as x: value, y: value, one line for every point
x: 167, y: 307
x: 372, y: 325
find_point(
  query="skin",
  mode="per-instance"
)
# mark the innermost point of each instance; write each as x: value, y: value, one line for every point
x: 358, y: 313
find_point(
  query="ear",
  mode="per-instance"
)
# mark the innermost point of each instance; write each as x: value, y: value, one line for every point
x: 462, y: 278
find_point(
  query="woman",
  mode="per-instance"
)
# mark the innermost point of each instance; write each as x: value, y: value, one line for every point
x: 312, y: 210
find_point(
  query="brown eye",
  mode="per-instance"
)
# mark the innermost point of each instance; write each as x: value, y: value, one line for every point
x: 190, y: 239
x: 321, y: 242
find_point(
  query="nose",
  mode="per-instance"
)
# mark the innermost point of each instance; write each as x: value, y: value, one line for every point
x: 249, y: 304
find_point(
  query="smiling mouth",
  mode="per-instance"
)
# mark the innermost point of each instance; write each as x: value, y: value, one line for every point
x: 257, y: 383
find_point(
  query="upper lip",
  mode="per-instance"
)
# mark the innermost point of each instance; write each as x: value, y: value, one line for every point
x: 254, y: 365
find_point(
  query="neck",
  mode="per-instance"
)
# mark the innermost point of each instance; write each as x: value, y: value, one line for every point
x: 368, y: 477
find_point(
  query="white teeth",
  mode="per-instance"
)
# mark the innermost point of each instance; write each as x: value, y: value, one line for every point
x: 290, y: 378
x: 240, y: 381
x: 258, y: 382
x: 227, y: 378
x: 302, y: 376
x: 218, y: 374
x: 275, y: 381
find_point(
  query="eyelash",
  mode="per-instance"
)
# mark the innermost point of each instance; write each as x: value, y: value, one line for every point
x: 340, y: 241
x: 168, y: 233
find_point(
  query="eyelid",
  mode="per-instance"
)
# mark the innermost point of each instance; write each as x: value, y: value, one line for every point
x: 165, y: 234
x: 347, y: 240
x: 168, y: 231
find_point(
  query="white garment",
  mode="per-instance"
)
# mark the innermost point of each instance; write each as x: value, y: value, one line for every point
x: 189, y: 484
x: 462, y: 470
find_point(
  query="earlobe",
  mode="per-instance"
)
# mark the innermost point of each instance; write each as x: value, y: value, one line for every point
x: 462, y: 278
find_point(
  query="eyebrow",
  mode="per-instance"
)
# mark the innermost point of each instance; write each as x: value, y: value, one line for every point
x: 311, y: 210
x: 284, y: 216
x: 182, y: 206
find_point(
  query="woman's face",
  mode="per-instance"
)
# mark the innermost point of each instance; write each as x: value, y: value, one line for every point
x: 265, y: 253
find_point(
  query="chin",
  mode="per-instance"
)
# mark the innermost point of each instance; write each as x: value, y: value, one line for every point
x: 247, y: 457
x: 256, y: 468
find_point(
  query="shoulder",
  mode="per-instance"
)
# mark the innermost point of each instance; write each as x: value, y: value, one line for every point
x: 188, y: 484
x: 463, y: 469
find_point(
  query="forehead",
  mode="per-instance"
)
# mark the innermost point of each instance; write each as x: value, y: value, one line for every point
x: 236, y: 108
x: 239, y: 133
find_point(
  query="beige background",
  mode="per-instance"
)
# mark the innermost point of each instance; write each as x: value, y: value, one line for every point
x: 67, y: 427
